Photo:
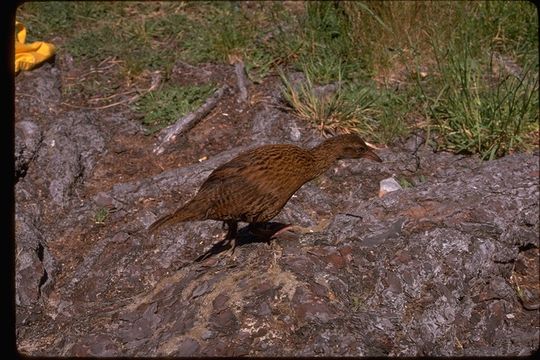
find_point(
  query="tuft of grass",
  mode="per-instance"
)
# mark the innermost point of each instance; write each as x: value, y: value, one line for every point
x: 101, y: 215
x: 325, y: 108
x: 481, y: 104
x: 405, y: 183
x: 162, y: 108
x: 344, y: 107
x: 357, y: 303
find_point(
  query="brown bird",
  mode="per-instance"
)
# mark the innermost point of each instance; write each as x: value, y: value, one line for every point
x: 254, y: 186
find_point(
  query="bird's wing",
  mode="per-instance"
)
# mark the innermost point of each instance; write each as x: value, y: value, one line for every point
x: 234, y: 192
x: 226, y: 174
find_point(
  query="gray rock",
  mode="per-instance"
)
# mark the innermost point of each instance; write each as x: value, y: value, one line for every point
x: 69, y: 152
x: 436, y: 269
x: 28, y: 138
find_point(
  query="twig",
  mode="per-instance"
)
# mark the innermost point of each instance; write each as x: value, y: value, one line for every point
x: 125, y: 101
x: 189, y: 120
x: 352, y: 215
x: 240, y: 71
x: 112, y: 96
x: 188, y: 65
x: 156, y: 79
x: 97, y: 69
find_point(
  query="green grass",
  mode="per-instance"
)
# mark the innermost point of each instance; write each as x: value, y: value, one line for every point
x: 405, y: 183
x: 101, y: 215
x: 165, y: 106
x: 484, y: 109
x: 465, y: 71
x: 97, y: 30
x: 468, y: 101
x: 478, y: 100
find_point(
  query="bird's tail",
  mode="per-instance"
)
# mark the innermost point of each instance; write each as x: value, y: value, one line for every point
x: 185, y: 213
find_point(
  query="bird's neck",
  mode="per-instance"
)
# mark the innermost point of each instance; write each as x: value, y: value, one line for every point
x: 324, y: 155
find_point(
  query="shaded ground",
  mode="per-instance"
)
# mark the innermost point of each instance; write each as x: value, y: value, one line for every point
x: 448, y: 266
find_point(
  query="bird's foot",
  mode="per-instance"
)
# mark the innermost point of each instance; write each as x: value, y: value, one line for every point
x: 291, y: 231
x: 300, y: 230
x: 287, y: 233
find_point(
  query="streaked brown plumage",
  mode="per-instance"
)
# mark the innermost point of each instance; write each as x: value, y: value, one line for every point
x: 254, y: 186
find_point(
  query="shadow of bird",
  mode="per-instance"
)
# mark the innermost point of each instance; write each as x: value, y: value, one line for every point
x: 253, y: 233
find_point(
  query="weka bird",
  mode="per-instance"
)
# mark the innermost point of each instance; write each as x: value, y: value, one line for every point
x: 254, y: 186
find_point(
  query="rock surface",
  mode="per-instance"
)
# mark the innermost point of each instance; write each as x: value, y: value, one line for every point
x: 446, y: 266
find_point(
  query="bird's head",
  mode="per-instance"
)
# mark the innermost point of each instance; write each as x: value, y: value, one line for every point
x: 352, y: 146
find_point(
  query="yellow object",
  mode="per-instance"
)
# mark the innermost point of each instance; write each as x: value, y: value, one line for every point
x: 28, y: 56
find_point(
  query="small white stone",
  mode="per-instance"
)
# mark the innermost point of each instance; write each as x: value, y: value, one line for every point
x: 388, y: 185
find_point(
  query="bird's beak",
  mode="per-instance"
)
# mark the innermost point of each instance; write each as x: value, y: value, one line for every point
x: 369, y: 154
x: 371, y: 145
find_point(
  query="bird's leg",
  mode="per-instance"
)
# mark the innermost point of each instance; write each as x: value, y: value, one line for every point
x: 230, y: 238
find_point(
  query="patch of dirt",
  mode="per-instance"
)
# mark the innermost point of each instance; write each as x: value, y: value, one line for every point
x: 227, y: 126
